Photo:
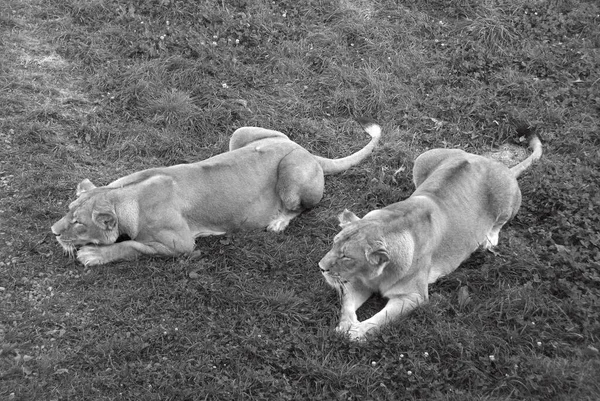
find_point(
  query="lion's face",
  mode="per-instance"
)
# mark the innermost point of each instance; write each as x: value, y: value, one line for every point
x: 356, y: 254
x: 90, y: 220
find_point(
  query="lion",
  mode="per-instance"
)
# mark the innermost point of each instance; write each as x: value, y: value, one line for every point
x: 460, y: 203
x: 263, y: 181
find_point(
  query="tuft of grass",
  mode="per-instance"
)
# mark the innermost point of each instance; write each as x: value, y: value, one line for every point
x: 489, y: 28
x: 170, y: 108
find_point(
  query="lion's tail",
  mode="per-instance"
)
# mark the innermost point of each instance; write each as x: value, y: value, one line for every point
x: 536, y: 146
x: 334, y: 166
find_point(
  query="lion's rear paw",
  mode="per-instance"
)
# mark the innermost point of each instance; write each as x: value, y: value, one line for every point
x: 277, y: 226
x: 90, y: 256
x: 279, y: 223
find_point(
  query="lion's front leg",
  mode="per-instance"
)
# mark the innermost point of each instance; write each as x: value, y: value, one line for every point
x: 91, y: 255
x: 352, y: 298
x: 395, y: 308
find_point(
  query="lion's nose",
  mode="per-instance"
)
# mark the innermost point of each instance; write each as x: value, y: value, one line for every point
x: 323, y: 270
x: 54, y: 231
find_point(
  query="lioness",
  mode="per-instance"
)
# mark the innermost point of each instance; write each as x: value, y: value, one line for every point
x: 264, y: 180
x: 461, y: 202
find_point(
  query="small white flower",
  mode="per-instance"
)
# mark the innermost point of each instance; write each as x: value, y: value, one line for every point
x: 224, y: 85
x: 425, y: 354
x: 373, y: 363
x: 401, y: 356
x: 492, y: 358
x: 409, y: 372
x: 539, y: 343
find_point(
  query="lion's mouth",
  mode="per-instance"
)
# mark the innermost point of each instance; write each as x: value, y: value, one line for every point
x: 334, y: 280
x: 68, y: 247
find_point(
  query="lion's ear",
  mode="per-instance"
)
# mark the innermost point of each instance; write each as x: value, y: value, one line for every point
x: 377, y: 257
x: 347, y: 217
x: 85, y: 185
x: 105, y: 220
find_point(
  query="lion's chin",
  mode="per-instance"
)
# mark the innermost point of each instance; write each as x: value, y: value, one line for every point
x: 68, y: 248
x: 334, y: 281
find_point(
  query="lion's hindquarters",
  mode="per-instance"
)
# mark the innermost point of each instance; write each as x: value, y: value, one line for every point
x: 300, y: 181
x: 246, y: 135
x: 504, y: 201
x: 299, y: 186
x: 428, y: 162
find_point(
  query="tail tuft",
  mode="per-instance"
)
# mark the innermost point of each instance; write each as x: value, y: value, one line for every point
x: 334, y: 166
x: 370, y: 126
x: 527, y: 133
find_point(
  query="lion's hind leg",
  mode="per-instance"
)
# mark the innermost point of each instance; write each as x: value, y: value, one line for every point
x: 281, y: 221
x: 492, y: 237
x: 510, y: 198
x: 491, y: 240
x: 300, y: 185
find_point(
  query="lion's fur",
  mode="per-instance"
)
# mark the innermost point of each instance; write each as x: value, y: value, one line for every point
x: 264, y: 180
x: 460, y: 203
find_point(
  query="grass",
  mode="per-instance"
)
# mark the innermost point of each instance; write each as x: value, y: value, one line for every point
x: 98, y: 89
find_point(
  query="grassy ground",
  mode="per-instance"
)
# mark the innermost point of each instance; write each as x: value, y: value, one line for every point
x: 101, y: 88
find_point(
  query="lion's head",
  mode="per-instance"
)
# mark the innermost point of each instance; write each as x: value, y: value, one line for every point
x: 369, y: 251
x: 358, y: 253
x: 91, y: 219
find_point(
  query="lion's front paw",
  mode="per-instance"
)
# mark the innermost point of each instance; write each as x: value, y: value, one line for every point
x: 345, y: 325
x: 90, y: 256
x: 358, y: 332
